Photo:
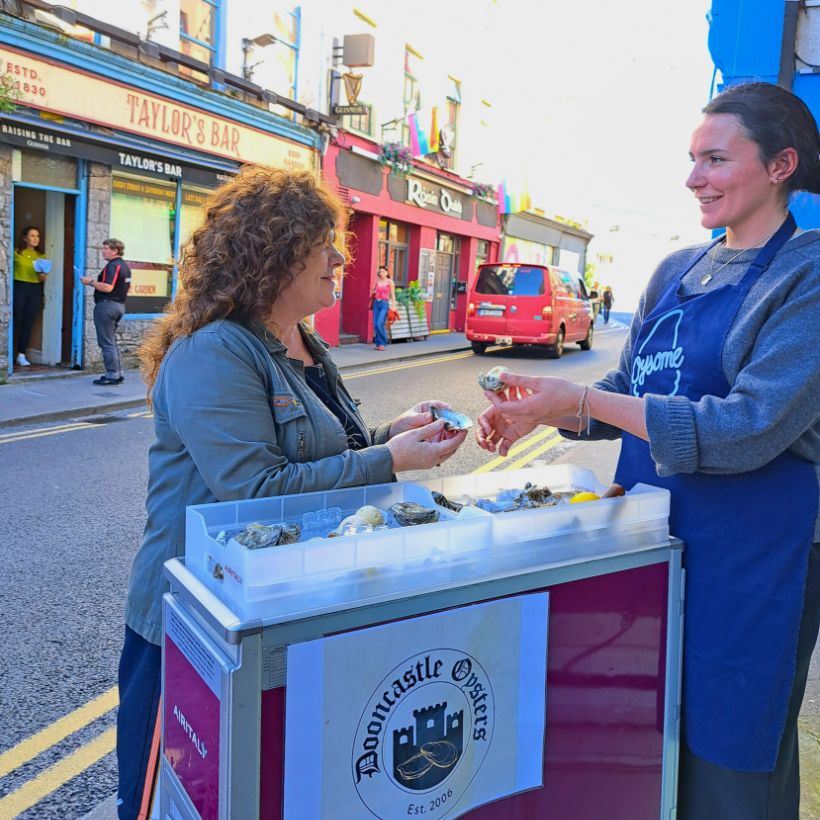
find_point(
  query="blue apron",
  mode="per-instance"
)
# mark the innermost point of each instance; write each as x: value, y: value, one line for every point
x: 747, y: 537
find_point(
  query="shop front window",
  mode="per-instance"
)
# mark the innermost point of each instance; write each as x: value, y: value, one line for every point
x: 46, y: 169
x: 143, y: 216
x: 393, y: 241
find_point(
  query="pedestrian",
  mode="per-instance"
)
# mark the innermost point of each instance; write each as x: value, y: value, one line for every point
x: 29, y: 275
x: 247, y: 403
x: 110, y: 289
x: 384, y: 299
x: 716, y: 398
x: 595, y: 300
x: 607, y: 299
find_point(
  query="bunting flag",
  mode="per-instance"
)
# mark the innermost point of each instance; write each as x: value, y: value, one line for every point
x: 419, y: 144
x: 511, y: 202
x: 434, y: 131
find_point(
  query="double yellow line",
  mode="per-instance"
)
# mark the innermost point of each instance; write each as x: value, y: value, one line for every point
x: 33, y: 791
x: 22, y: 435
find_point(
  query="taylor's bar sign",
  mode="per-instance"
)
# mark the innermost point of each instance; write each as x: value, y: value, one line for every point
x: 424, y: 735
x: 440, y: 198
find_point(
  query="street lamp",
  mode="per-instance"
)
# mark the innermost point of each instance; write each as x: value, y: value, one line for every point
x: 248, y: 43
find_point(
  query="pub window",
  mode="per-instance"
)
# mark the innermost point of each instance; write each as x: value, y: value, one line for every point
x: 393, y: 241
x: 143, y: 216
x: 450, y: 128
x: 198, y: 32
x: 412, y: 94
x: 363, y: 123
x: 482, y: 251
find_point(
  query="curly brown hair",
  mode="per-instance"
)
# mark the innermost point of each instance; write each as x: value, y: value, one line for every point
x: 259, y: 228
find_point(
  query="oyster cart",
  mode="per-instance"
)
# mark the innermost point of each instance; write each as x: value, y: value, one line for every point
x: 488, y: 665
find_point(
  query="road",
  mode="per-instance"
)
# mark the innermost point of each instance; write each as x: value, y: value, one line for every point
x: 76, y: 490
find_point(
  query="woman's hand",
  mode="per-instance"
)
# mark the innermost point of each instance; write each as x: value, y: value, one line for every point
x: 533, y: 400
x: 417, y: 416
x: 423, y: 447
x: 496, y: 433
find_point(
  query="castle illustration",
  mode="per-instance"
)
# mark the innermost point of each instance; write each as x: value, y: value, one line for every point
x: 424, y: 754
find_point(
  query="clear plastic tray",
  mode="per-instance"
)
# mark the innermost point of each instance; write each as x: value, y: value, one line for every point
x: 322, y: 572
x: 639, y: 517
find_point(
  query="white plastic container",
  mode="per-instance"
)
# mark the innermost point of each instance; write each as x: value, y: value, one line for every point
x: 281, y: 580
x: 565, y: 531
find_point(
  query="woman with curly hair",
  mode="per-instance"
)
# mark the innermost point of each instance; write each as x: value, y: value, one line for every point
x: 247, y: 403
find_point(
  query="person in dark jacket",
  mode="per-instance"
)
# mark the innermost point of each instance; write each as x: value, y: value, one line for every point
x: 110, y: 289
x: 715, y: 398
x: 248, y: 403
x: 606, y: 300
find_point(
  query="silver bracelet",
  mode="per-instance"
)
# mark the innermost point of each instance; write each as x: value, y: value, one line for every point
x: 580, y: 412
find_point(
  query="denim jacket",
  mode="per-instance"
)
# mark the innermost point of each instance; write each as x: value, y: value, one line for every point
x: 235, y: 419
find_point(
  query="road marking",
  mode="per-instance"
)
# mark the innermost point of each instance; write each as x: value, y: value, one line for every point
x: 404, y: 366
x: 18, y: 433
x: 8, y: 438
x: 55, y: 732
x: 50, y: 432
x: 547, y: 445
x: 33, y: 791
x: 514, y: 450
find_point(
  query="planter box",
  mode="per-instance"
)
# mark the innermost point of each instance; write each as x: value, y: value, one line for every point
x: 409, y: 325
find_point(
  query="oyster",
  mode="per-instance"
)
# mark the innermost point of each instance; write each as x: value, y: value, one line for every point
x: 372, y: 515
x: 452, y: 419
x: 256, y: 535
x: 443, y: 501
x: 408, y: 514
x: 491, y: 380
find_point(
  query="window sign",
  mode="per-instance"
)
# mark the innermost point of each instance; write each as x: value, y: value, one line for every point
x: 143, y: 216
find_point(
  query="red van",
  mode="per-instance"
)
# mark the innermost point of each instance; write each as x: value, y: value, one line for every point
x: 521, y: 304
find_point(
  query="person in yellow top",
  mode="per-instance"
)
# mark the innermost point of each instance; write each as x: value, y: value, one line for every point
x: 28, y: 290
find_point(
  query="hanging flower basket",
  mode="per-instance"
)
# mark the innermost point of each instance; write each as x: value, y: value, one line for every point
x: 485, y: 191
x: 397, y: 157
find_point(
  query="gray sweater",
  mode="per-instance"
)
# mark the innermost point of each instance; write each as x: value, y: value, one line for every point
x: 235, y: 419
x: 771, y: 358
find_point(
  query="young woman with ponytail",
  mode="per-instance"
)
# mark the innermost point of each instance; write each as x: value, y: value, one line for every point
x: 717, y: 397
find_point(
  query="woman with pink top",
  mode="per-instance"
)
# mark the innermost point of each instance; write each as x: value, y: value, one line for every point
x: 384, y: 297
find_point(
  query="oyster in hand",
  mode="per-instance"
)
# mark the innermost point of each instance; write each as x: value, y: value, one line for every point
x: 453, y: 420
x: 491, y: 380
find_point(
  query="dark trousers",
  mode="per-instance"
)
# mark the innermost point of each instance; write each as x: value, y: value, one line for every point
x: 138, y: 725
x: 709, y: 792
x: 107, y: 315
x: 605, y: 310
x: 28, y: 300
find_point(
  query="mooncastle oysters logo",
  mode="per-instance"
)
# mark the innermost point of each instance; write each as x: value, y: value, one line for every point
x: 423, y: 735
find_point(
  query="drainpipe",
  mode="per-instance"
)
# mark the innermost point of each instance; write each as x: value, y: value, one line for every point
x: 785, y: 77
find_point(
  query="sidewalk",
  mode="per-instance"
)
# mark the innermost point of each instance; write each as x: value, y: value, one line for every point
x: 34, y: 399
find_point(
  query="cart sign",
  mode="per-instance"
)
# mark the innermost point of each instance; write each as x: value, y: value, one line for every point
x: 191, y: 698
x: 429, y: 716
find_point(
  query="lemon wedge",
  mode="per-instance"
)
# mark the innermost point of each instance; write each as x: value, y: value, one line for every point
x: 579, y: 498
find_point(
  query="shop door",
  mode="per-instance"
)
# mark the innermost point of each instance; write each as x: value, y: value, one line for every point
x: 440, y: 308
x: 52, y: 212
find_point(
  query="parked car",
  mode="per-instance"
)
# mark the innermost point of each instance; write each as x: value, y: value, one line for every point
x: 521, y: 304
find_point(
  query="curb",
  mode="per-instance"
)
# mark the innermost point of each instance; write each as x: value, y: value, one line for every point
x: 58, y: 415
x: 101, y: 409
